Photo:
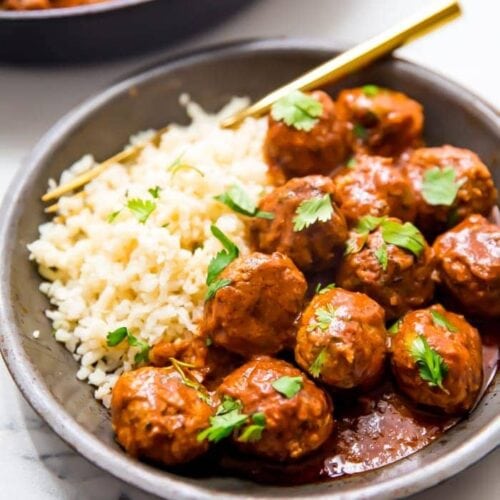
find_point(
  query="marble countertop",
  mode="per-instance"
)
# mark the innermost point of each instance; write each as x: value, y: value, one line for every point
x: 34, y: 462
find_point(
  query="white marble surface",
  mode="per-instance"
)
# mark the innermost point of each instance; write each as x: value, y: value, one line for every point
x: 34, y: 463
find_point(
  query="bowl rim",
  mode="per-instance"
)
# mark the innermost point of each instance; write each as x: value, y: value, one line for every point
x: 116, y: 462
x: 64, y: 12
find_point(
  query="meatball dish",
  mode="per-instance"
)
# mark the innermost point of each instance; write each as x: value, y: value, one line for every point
x: 44, y: 4
x: 310, y: 295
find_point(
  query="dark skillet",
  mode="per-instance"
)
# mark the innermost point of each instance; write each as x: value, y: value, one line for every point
x: 45, y: 371
x: 115, y: 28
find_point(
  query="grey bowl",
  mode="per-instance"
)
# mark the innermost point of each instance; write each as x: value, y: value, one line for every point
x: 45, y: 371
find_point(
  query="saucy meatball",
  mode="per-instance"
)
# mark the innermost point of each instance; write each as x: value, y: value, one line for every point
x: 341, y: 339
x: 312, y: 247
x: 468, y: 263
x: 189, y: 349
x: 297, y: 414
x: 397, y: 278
x: 156, y: 416
x: 373, y: 185
x: 467, y: 182
x: 437, y: 359
x: 256, y: 312
x: 380, y: 121
x: 300, y: 152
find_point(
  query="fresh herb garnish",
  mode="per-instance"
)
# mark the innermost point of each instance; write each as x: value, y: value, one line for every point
x: 311, y: 211
x: 297, y: 110
x: 382, y: 256
x: 155, y: 192
x: 223, y: 258
x: 112, y: 216
x: 323, y: 317
x: 368, y: 223
x: 440, y: 187
x: 359, y: 131
x: 405, y: 236
x: 320, y: 289
x: 226, y: 420
x: 120, y: 334
x: 288, y: 386
x: 351, y: 163
x: 440, y: 320
x: 208, y: 342
x: 178, y: 165
x: 370, y: 90
x: 253, y: 431
x: 432, y: 367
x: 394, y: 328
x: 238, y: 200
x: 215, y: 286
x: 190, y: 382
x: 317, y: 364
x: 141, y: 209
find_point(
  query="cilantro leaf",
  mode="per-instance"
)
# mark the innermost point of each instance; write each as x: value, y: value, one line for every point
x: 155, y: 192
x: 253, y: 432
x: 405, y: 236
x: 239, y: 201
x: 317, y: 364
x: 297, y: 110
x: 117, y: 336
x: 288, y: 386
x: 141, y: 209
x: 311, y: 211
x: 432, y: 367
x: 192, y: 383
x: 440, y: 320
x: 323, y: 317
x: 368, y: 223
x: 370, y: 90
x: 323, y: 289
x: 359, y: 131
x: 355, y: 243
x: 440, y: 187
x: 113, y: 215
x: 223, y: 258
x: 382, y: 256
x: 215, y: 286
x: 226, y: 420
x: 351, y: 163
x: 394, y: 328
x: 143, y: 354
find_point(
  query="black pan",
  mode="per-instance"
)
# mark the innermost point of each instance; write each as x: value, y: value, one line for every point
x: 115, y: 28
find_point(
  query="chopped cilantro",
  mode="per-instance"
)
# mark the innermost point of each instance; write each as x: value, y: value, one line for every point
x: 223, y: 258
x: 323, y: 289
x: 382, y: 256
x: 440, y: 187
x: 120, y: 334
x: 297, y: 110
x: 311, y: 211
x: 141, y: 209
x: 394, y: 328
x: 155, y: 192
x: 370, y: 90
x: 405, y: 236
x: 238, y: 200
x: 323, y: 317
x: 112, y: 216
x: 317, y: 364
x: 351, y: 163
x: 432, y: 367
x: 359, y: 131
x: 440, y: 320
x: 253, y: 432
x: 215, y: 286
x: 288, y: 386
x: 117, y: 336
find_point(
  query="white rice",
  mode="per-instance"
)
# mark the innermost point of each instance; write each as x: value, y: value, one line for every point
x: 148, y: 277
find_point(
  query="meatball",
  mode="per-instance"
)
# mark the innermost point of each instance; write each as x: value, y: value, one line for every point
x: 300, y: 152
x: 296, y: 422
x: 156, y: 416
x: 189, y: 349
x: 341, y: 339
x: 468, y: 263
x: 397, y: 278
x: 314, y: 247
x: 256, y: 312
x: 437, y: 359
x: 468, y: 183
x: 380, y: 121
x: 373, y: 185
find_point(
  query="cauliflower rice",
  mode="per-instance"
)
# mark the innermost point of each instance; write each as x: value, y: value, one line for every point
x: 150, y: 277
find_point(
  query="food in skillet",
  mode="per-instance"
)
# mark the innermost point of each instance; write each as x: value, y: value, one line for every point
x: 175, y: 278
x: 391, y: 262
x: 44, y: 4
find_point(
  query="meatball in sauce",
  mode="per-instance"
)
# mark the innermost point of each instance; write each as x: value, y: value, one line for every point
x: 449, y: 184
x: 296, y: 152
x: 342, y: 339
x: 297, y: 415
x: 313, y: 247
x: 372, y: 185
x: 256, y: 312
x: 397, y: 276
x: 156, y: 416
x: 380, y: 121
x: 437, y: 359
x: 468, y: 263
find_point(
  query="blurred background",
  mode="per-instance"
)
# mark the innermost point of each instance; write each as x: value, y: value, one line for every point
x: 34, y: 463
